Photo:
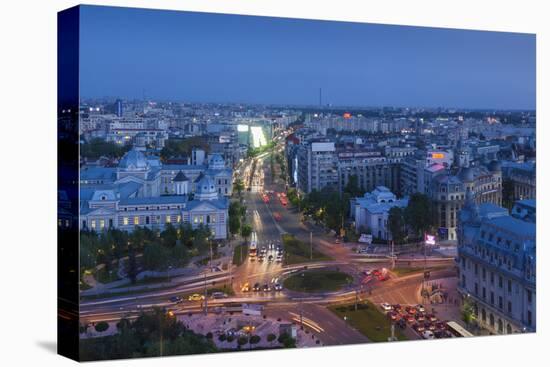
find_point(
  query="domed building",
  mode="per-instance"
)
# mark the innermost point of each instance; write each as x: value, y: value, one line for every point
x: 141, y: 191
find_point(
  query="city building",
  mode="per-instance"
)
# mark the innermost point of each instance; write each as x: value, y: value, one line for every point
x: 317, y: 165
x: 370, y: 212
x: 497, y: 266
x: 136, y: 193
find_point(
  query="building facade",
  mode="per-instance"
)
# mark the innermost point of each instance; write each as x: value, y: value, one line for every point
x: 136, y: 193
x: 497, y: 267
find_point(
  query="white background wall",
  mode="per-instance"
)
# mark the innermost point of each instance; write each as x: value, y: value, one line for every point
x: 28, y: 158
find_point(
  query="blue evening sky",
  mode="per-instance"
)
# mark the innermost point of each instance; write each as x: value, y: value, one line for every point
x: 201, y: 57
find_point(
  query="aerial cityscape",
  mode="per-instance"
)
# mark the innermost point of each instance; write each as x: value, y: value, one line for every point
x: 242, y: 188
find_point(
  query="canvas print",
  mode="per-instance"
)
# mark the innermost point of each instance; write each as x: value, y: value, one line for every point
x: 251, y: 183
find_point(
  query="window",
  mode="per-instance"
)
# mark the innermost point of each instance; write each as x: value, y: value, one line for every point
x: 178, y: 218
x: 483, y: 293
x: 476, y: 288
x: 500, y: 281
x: 492, y: 278
x: 483, y: 273
x: 509, y: 307
x: 136, y: 220
x: 147, y: 220
x: 125, y: 221
x: 529, y: 318
x: 529, y: 294
x: 500, y: 326
x: 168, y: 219
x: 492, y: 298
x: 500, y: 302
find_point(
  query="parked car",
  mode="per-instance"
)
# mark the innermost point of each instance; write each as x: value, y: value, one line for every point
x: 397, y: 307
x: 368, y: 272
x: 402, y: 323
x: 410, y: 319
x: 376, y: 272
x: 420, y: 308
x: 219, y: 295
x: 428, y: 334
x: 392, y: 315
x: 386, y: 306
x: 420, y: 317
x: 410, y: 310
x: 270, y: 258
x: 431, y: 318
x: 429, y: 326
x: 418, y: 327
x: 440, y: 334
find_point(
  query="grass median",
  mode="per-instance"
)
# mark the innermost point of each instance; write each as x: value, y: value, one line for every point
x: 368, y: 320
x: 297, y: 252
x: 239, y: 254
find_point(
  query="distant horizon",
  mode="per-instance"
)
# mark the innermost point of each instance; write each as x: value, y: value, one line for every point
x: 223, y: 58
x: 311, y: 106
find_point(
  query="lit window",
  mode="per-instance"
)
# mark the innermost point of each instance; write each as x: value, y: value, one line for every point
x: 213, y: 218
x: 93, y: 224
x: 168, y: 219
x: 125, y: 221
x: 178, y: 218
x: 196, y: 219
x: 136, y: 220
x: 102, y: 223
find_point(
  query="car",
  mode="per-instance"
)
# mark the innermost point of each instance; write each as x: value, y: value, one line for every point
x: 278, y: 287
x: 270, y: 258
x: 428, y: 334
x: 440, y: 334
x: 392, y: 315
x: 429, y: 326
x: 261, y: 258
x: 386, y: 306
x: 431, y: 318
x: 410, y: 319
x: 256, y: 287
x: 279, y: 259
x: 245, y: 287
x: 266, y: 288
x: 219, y: 295
x: 397, y: 307
x: 441, y: 325
x: 376, y: 272
x: 420, y: 317
x: 196, y: 297
x: 420, y: 308
x: 367, y: 273
x: 419, y: 327
x: 176, y: 299
x: 410, y: 310
x: 402, y: 323
x: 337, y: 241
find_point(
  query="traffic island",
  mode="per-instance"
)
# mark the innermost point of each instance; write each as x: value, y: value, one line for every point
x: 317, y: 281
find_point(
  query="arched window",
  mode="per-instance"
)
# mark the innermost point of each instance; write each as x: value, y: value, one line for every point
x: 508, y: 329
x: 500, y: 326
x: 491, y: 320
x: 483, y: 315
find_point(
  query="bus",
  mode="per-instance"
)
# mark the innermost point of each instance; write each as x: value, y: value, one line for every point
x: 253, y: 248
x: 458, y: 331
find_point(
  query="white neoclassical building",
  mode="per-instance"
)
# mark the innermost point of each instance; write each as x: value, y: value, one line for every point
x: 140, y: 191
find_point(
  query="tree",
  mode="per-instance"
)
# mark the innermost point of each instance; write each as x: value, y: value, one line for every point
x: 418, y: 214
x: 396, y: 224
x: 246, y: 231
x: 132, y: 264
x: 353, y: 188
x: 255, y: 339
x: 155, y: 257
x: 287, y: 341
x: 238, y: 186
x: 271, y: 338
